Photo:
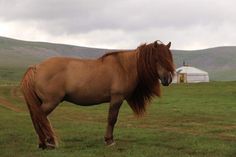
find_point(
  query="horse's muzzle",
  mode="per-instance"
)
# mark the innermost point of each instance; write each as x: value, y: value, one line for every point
x: 166, y: 80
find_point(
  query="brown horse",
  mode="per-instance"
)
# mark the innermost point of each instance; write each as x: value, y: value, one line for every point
x: 117, y: 76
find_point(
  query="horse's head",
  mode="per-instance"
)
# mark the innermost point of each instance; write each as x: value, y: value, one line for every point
x: 164, y: 62
x: 154, y: 63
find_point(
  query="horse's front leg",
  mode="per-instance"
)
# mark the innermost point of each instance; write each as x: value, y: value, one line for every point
x: 112, y: 118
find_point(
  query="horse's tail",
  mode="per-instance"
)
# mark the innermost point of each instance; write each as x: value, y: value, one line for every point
x: 39, y: 118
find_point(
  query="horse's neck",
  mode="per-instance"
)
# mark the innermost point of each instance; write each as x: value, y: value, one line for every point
x: 129, y: 62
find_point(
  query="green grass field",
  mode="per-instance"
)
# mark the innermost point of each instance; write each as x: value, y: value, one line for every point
x: 190, y: 120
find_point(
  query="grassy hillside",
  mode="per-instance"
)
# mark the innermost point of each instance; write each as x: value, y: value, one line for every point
x: 190, y: 120
x: 16, y: 55
x: 219, y: 62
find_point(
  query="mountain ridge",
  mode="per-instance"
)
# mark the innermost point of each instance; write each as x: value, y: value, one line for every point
x: 219, y: 62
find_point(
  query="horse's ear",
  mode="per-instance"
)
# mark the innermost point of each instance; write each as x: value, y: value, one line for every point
x: 155, y: 44
x: 168, y: 45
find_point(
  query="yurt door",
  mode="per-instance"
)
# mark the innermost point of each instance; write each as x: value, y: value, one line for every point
x: 182, y: 78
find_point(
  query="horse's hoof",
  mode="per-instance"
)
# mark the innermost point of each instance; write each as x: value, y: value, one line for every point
x: 42, y: 146
x: 50, y: 146
x: 47, y: 146
x: 110, y: 144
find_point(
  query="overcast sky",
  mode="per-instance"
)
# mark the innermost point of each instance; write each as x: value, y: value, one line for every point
x: 188, y: 24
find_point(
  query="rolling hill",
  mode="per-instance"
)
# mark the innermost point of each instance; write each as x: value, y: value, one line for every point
x: 17, y: 55
x: 219, y: 62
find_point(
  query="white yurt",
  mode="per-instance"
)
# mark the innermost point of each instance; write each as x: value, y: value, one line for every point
x: 188, y: 74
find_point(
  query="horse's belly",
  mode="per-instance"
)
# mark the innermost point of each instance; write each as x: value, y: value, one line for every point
x: 89, y: 88
x: 85, y: 99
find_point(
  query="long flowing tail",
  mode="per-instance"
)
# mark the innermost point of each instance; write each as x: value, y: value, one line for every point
x: 41, y: 124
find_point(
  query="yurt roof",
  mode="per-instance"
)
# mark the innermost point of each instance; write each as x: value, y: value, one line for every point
x: 190, y: 70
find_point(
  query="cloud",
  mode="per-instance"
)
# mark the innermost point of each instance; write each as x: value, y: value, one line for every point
x: 121, y: 24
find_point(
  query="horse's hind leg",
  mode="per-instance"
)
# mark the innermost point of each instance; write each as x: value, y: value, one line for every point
x: 49, y: 141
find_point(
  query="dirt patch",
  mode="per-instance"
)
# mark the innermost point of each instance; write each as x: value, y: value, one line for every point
x: 16, y: 92
x: 5, y: 103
